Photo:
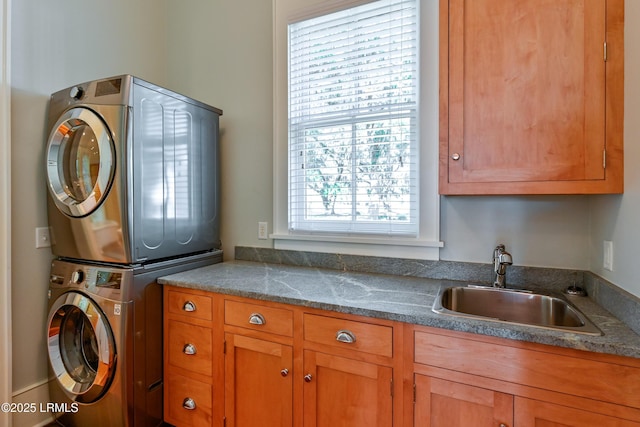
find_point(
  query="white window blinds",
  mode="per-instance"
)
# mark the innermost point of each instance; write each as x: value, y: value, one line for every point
x: 353, y: 131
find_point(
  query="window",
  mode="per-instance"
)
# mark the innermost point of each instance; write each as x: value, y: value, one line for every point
x: 353, y: 114
x: 356, y: 127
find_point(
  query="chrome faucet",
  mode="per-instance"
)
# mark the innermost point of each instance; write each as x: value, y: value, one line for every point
x: 501, y: 259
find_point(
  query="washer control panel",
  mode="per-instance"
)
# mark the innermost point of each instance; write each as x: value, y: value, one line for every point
x: 102, y: 280
x: 108, y: 279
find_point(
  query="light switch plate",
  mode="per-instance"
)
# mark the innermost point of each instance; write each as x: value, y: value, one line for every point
x: 263, y: 232
x: 43, y: 237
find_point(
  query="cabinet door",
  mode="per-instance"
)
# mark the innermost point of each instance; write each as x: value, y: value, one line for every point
x: 533, y: 413
x: 441, y: 403
x: 340, y: 392
x: 526, y: 97
x: 258, y: 382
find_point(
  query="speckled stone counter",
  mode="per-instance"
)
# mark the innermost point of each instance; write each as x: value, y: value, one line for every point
x: 400, y: 298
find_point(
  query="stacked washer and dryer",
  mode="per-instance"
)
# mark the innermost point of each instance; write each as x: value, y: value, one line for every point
x: 133, y: 180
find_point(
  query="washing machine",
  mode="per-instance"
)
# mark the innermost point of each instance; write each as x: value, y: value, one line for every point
x: 104, y: 334
x: 132, y: 172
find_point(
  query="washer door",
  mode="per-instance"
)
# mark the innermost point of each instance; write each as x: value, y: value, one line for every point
x: 80, y: 162
x: 81, y: 347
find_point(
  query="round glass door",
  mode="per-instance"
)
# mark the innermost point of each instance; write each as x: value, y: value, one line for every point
x: 80, y: 162
x: 81, y: 347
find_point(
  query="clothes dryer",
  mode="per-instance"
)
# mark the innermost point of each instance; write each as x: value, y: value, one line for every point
x: 104, y: 339
x: 132, y: 172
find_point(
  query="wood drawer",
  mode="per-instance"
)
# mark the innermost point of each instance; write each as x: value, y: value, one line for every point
x: 190, y: 347
x: 189, y: 304
x: 336, y: 332
x: 533, y: 367
x: 259, y: 317
x: 178, y: 391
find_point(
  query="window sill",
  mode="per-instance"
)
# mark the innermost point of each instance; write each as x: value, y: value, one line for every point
x: 394, y: 247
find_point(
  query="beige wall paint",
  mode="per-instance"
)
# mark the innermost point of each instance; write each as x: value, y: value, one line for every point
x: 54, y: 45
x: 220, y: 52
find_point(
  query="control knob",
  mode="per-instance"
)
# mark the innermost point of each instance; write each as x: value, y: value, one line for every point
x: 76, y: 92
x: 77, y: 277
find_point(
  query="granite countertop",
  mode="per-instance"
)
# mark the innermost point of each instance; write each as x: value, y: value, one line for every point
x: 399, y: 298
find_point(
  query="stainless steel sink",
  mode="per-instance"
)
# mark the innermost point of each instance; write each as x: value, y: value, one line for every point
x: 514, y: 306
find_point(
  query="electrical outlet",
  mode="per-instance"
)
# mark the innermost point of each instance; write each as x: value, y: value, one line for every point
x: 263, y: 232
x: 43, y: 237
x: 607, y: 262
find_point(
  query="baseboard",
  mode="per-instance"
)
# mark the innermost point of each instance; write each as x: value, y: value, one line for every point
x: 29, y: 403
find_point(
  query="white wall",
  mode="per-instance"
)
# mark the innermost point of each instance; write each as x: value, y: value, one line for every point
x: 220, y: 53
x: 54, y: 45
x: 540, y: 231
x: 617, y: 218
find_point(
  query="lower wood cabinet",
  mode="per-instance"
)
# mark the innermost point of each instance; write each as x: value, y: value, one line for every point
x: 346, y: 392
x: 533, y: 413
x: 188, y: 401
x: 238, y: 362
x: 463, y: 379
x: 258, y: 382
x: 442, y: 403
x: 189, y: 354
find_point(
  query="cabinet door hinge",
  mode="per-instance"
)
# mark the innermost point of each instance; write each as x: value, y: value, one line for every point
x: 604, y: 159
x: 224, y: 347
x: 224, y: 421
x: 414, y: 392
x: 605, y: 52
x: 391, y: 390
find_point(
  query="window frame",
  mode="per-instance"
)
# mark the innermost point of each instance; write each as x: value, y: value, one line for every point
x: 427, y: 243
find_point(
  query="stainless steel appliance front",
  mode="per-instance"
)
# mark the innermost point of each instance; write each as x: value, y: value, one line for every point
x: 132, y: 172
x: 104, y: 335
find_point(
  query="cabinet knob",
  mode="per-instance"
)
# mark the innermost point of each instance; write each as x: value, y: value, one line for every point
x: 189, y: 306
x: 284, y: 372
x: 455, y: 156
x: 503, y: 425
x: 189, y: 403
x: 257, y: 319
x: 345, y: 336
x: 189, y: 349
x: 308, y: 378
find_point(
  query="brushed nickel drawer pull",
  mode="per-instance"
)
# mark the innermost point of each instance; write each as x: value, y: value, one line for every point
x: 189, y: 349
x: 345, y: 336
x: 257, y: 319
x: 189, y: 403
x: 189, y: 306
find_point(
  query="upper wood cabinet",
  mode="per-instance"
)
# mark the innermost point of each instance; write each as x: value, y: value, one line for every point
x: 531, y: 96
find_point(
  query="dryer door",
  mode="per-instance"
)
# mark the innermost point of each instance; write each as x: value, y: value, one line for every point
x: 81, y: 347
x: 80, y: 162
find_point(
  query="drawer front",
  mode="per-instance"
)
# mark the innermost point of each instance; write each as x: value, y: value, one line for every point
x: 191, y: 305
x: 534, y: 368
x: 188, y: 402
x: 190, y: 347
x: 360, y: 336
x: 259, y: 317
